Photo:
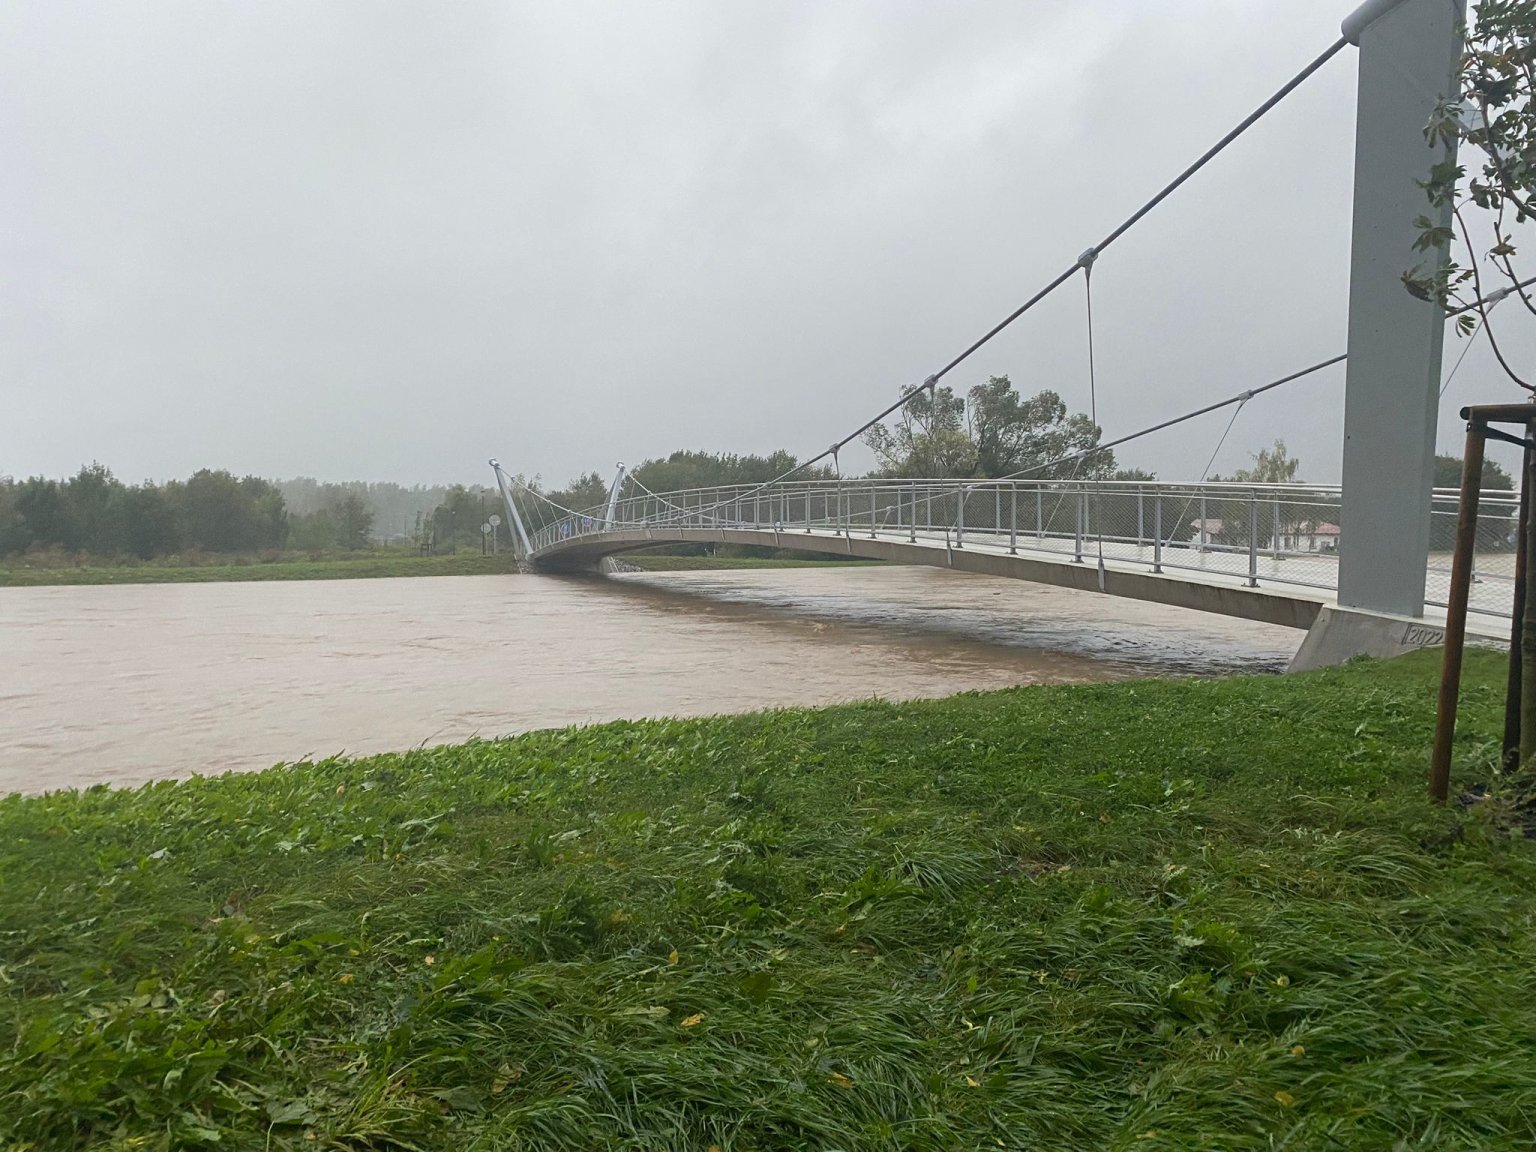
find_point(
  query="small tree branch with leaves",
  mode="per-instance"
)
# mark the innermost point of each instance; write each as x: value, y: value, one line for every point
x: 1492, y: 110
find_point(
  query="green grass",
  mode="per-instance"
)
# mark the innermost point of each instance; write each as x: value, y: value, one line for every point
x: 1147, y: 915
x: 664, y: 563
x: 351, y: 568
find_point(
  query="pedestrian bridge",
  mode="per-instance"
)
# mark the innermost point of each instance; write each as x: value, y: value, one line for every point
x: 1258, y: 552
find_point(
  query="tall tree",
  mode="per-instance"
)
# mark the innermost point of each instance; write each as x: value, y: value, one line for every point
x: 353, y: 521
x: 990, y: 432
x: 144, y: 520
x: 1273, y: 465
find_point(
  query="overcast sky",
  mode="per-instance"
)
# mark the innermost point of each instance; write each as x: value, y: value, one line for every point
x: 387, y: 240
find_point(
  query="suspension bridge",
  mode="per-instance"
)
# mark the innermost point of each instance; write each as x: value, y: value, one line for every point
x: 1363, y: 565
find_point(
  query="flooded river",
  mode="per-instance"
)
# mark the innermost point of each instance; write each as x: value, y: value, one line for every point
x: 129, y: 683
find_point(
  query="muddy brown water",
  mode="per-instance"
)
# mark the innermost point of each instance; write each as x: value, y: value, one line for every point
x: 130, y: 683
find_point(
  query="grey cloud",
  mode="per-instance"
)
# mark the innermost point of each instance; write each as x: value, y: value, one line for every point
x: 388, y: 240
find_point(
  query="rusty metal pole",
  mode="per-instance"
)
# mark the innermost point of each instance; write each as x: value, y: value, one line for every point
x: 1456, y: 612
x: 1513, y: 693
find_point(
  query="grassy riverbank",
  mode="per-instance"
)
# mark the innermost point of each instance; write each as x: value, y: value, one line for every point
x: 348, y: 568
x: 1145, y: 915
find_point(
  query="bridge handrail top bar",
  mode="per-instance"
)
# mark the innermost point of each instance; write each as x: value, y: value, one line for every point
x: 867, y: 482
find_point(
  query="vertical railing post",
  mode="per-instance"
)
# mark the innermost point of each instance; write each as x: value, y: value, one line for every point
x: 872, y: 511
x: 1253, y: 539
x: 997, y: 510
x: 1141, y: 519
x: 1202, y: 520
x: 1039, y: 514
x: 913, y: 528
x: 1077, y: 546
x: 1013, y: 518
x: 1275, y: 541
x: 960, y: 516
x: 1157, y: 533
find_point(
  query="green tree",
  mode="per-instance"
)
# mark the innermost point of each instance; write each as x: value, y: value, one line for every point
x: 1448, y: 474
x: 88, y: 497
x: 683, y: 470
x: 14, y: 536
x: 457, y: 519
x: 928, y: 438
x: 222, y: 514
x: 44, y: 514
x: 144, y: 521
x: 991, y: 432
x: 1492, y: 108
x: 1272, y: 465
x: 353, y: 521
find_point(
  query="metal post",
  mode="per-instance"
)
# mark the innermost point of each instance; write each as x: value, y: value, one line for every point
x: 1013, y: 518
x: 1275, y: 542
x: 613, y: 496
x: 960, y: 517
x: 871, y: 511
x: 1077, y: 548
x: 1253, y: 539
x: 1157, y: 533
x: 1456, y: 613
x: 913, y: 536
x: 997, y: 509
x: 1202, y: 520
x: 1141, y: 519
x: 1408, y: 53
x: 1039, y: 514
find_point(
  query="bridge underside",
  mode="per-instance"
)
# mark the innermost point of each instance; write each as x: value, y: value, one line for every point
x: 1214, y: 592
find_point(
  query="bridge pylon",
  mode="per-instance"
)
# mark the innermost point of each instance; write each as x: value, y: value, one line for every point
x: 1408, y: 53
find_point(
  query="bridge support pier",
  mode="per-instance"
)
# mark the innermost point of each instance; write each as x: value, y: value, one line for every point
x: 1408, y: 50
x: 1339, y: 634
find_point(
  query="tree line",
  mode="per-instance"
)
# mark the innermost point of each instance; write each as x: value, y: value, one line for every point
x: 94, y: 512
x: 988, y: 433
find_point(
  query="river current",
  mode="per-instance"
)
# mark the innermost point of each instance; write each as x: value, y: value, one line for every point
x: 124, y: 684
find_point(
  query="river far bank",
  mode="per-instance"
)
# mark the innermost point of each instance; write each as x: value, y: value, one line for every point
x: 350, y: 567
x: 1147, y: 914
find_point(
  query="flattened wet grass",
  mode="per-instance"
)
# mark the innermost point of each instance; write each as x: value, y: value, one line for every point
x: 1146, y: 915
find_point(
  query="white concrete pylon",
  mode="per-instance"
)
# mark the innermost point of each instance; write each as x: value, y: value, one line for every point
x: 1408, y: 52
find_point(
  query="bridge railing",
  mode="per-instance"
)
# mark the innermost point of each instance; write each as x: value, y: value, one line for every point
x: 1254, y: 534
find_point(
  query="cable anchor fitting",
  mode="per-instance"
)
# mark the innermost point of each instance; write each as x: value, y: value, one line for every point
x: 1085, y: 261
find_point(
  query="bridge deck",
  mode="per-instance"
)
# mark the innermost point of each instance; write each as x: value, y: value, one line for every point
x: 1203, y: 579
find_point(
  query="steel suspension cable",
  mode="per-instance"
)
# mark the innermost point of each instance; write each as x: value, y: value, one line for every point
x: 1240, y: 398
x: 1120, y: 230
x: 1135, y: 217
